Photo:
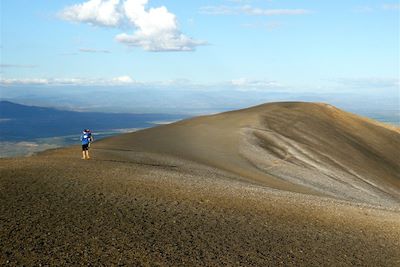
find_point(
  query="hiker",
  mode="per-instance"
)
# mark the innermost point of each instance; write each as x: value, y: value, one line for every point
x: 86, y: 139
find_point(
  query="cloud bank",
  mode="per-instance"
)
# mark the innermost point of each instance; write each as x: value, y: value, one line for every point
x: 121, y: 80
x: 155, y: 29
x: 241, y: 84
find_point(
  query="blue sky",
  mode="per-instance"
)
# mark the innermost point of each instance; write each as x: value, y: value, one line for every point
x: 301, y: 45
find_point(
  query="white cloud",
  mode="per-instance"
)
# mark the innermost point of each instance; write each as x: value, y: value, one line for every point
x: 241, y: 84
x: 155, y: 29
x: 121, y: 80
x: 30, y: 81
x: 245, y: 84
x: 172, y: 41
x: 250, y: 10
x: 96, y: 12
x: 272, y: 12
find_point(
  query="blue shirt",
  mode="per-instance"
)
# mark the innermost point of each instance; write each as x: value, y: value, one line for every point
x: 86, y: 138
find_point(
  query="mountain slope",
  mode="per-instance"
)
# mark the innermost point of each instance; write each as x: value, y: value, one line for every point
x: 299, y: 147
x: 283, y: 184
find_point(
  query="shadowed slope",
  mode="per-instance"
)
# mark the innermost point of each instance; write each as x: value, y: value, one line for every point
x: 300, y: 147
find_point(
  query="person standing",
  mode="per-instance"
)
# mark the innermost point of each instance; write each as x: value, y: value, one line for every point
x: 86, y: 139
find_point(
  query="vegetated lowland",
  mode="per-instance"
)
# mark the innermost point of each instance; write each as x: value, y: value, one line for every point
x: 280, y: 184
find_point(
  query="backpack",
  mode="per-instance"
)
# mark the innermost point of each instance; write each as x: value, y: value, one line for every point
x: 86, y: 138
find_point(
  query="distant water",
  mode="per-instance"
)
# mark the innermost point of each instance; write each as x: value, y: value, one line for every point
x: 25, y: 130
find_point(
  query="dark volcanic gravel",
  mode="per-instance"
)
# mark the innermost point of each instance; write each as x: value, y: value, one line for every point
x: 57, y: 210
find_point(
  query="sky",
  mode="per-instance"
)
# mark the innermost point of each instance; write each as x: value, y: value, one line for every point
x: 247, y: 45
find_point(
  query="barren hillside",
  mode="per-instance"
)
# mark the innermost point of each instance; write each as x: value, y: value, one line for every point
x: 281, y: 184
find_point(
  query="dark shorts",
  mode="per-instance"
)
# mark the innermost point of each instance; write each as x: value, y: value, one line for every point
x: 85, y: 147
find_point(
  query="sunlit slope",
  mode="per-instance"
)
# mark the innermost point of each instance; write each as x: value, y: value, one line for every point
x: 301, y: 147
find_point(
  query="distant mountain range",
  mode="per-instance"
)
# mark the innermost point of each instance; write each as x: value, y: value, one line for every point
x: 22, y: 123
